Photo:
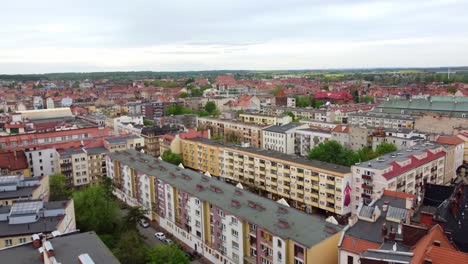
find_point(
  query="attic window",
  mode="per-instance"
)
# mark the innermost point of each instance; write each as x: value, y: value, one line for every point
x: 205, y: 179
x: 235, y: 203
x: 282, y: 210
x: 132, y: 159
x: 186, y: 176
x: 177, y: 169
x: 238, y: 192
x: 215, y: 189
x: 283, y: 223
x: 172, y: 175
x: 162, y: 168
x: 150, y: 167
x: 200, y: 187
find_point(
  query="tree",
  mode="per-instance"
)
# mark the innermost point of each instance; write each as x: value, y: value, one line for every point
x: 76, y: 84
x: 96, y: 210
x: 277, y: 90
x: 147, y: 122
x: 58, y: 187
x: 130, y: 248
x: 183, y: 95
x: 163, y: 254
x: 367, y: 99
x: 210, y: 107
x: 333, y: 152
x: 171, y: 157
x: 177, y: 110
x: 134, y: 214
x: 303, y: 101
x: 203, y: 113
x: 452, y: 89
x: 385, y: 148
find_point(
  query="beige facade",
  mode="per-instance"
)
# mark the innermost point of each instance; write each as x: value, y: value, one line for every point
x: 265, y: 119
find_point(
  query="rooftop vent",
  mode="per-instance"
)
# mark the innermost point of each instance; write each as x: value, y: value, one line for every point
x: 380, y: 159
x: 85, y: 259
x: 399, y: 154
x: 283, y: 223
x: 235, y: 203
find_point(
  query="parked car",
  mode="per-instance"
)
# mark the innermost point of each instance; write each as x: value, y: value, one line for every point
x: 144, y: 223
x: 168, y: 241
x: 190, y: 255
x: 160, y: 236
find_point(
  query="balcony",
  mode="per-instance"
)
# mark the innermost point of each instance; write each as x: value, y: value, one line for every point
x: 367, y: 186
x: 367, y: 177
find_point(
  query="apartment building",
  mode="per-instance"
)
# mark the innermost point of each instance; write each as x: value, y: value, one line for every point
x: 305, y: 113
x: 261, y: 119
x: 308, y: 138
x: 172, y: 142
x: 385, y: 120
x: 219, y: 221
x: 305, y: 184
x: 342, y: 113
x: 22, y: 219
x: 96, y: 163
x: 124, y: 142
x: 43, y: 162
x: 151, y: 136
x: 17, y: 187
x: 402, y: 138
x: 233, y: 131
x: 340, y: 133
x: 402, y: 171
x: 74, y: 165
x: 453, y: 147
x: 281, y: 137
x: 14, y: 162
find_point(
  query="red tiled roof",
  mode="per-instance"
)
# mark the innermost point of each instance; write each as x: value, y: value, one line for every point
x: 397, y: 169
x: 13, y: 160
x: 356, y: 245
x: 340, y: 129
x: 452, y: 140
x: 401, y: 195
x: 337, y: 95
x: 446, y: 253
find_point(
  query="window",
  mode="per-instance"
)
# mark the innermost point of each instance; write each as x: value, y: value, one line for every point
x: 235, y: 245
x: 279, y: 243
x: 22, y: 240
x: 350, y: 260
x: 8, y: 242
x: 234, y: 233
x: 279, y: 255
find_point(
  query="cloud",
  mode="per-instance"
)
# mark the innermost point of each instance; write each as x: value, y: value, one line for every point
x: 208, y: 34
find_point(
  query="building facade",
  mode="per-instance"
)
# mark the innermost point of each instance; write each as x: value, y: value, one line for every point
x: 281, y: 138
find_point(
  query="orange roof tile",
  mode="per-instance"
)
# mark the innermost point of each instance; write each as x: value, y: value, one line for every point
x: 356, y: 245
x: 401, y: 195
x: 453, y: 140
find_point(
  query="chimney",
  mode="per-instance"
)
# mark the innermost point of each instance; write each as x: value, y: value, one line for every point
x: 392, y: 234
x: 49, y: 249
x: 436, y: 243
x: 85, y: 259
x: 384, y: 231
x: 36, y: 240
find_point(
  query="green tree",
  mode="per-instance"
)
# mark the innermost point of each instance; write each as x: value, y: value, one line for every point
x: 76, y: 84
x: 367, y: 99
x: 163, y: 254
x: 171, y: 157
x: 147, y: 122
x: 210, y: 107
x: 203, y: 113
x: 385, y: 148
x: 96, y: 210
x: 177, y: 110
x: 134, y: 214
x: 452, y: 89
x: 303, y: 101
x: 333, y: 152
x: 130, y: 248
x: 183, y: 95
x: 58, y: 187
x: 278, y: 89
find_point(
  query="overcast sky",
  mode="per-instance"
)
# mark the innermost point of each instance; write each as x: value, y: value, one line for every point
x: 174, y: 35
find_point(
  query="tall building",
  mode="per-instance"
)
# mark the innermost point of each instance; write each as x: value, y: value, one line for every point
x: 151, y: 136
x: 223, y: 223
x: 281, y: 138
x: 305, y: 184
x: 43, y: 162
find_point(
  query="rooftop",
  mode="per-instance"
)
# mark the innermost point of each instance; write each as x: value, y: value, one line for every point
x: 268, y: 154
x: 282, y: 128
x: 303, y: 228
x: 67, y: 248
x: 121, y: 140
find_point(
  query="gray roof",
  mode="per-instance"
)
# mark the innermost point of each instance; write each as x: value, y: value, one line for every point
x: 278, y: 155
x: 371, y: 231
x: 45, y: 224
x: 67, y: 153
x: 120, y: 140
x: 441, y: 104
x: 282, y: 128
x: 67, y: 248
x: 383, y: 115
x: 96, y: 150
x: 303, y: 228
x: 20, y: 192
x: 388, y: 256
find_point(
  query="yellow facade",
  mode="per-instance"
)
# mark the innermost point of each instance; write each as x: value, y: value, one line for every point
x: 303, y: 186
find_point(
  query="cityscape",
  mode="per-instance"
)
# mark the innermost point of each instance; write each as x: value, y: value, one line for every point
x: 217, y: 133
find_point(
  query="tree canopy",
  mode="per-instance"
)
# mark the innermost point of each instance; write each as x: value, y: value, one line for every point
x: 171, y: 157
x: 58, y: 187
x: 166, y: 254
x: 130, y: 248
x: 210, y: 107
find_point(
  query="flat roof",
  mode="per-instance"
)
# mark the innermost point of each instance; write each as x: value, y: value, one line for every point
x: 303, y: 228
x: 282, y: 128
x: 268, y: 154
x: 119, y: 140
x: 67, y: 248
x: 20, y: 192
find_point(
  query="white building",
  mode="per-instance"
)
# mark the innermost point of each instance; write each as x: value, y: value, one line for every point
x: 308, y: 138
x: 281, y: 137
x: 402, y: 171
x: 50, y: 103
x: 43, y: 162
x: 38, y: 102
x: 122, y: 123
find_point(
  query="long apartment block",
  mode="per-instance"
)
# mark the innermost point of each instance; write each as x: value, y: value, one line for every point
x: 305, y: 184
x: 224, y: 223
